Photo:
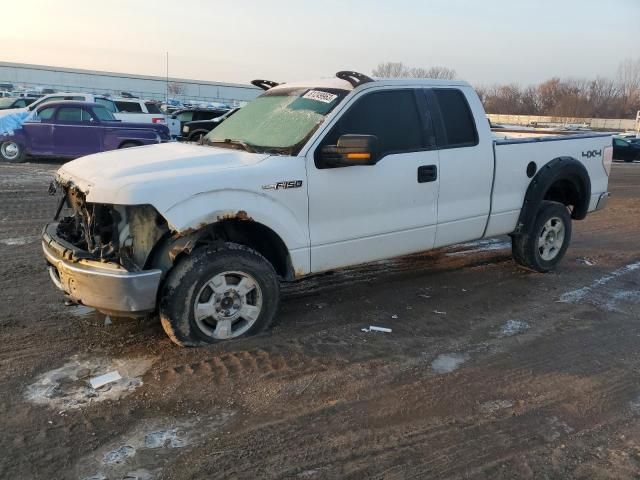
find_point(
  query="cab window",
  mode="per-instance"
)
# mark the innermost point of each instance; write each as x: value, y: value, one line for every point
x: 391, y: 115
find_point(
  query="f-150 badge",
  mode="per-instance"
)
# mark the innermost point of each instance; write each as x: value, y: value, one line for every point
x: 282, y: 185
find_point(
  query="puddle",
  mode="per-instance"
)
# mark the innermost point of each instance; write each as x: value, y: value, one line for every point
x: 513, y: 327
x: 68, y: 387
x: 448, y: 362
x: 19, y: 240
x: 493, y: 406
x: 141, y: 452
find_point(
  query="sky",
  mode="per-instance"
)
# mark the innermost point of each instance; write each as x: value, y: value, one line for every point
x: 485, y: 41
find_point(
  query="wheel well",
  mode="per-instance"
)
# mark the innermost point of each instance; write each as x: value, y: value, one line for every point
x: 244, y: 232
x: 564, y: 180
x: 565, y: 191
x: 259, y: 237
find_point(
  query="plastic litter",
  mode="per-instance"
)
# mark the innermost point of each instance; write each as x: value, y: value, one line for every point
x: 13, y: 121
x: 373, y: 328
x: 102, y: 380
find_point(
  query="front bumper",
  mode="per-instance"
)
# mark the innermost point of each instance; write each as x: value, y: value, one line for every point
x: 105, y: 286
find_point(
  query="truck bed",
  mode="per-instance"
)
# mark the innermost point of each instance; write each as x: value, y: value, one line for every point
x: 515, y: 150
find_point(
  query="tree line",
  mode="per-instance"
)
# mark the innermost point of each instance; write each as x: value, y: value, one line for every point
x: 602, y: 97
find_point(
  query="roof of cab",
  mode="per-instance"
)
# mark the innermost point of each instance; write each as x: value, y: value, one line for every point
x: 344, y: 85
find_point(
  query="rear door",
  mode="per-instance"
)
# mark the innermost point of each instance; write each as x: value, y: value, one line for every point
x: 466, y: 164
x: 363, y: 213
x: 76, y: 133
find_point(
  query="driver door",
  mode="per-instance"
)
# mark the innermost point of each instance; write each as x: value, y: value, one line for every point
x: 359, y: 214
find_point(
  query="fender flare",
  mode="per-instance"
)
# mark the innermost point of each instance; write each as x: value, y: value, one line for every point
x: 561, y: 168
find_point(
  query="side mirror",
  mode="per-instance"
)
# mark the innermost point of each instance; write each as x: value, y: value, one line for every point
x: 351, y: 150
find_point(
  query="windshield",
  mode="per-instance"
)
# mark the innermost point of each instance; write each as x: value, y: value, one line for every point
x: 279, y: 121
x: 6, y: 102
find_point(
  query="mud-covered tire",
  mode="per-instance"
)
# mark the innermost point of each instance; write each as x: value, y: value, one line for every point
x: 12, y: 152
x: 193, y: 279
x: 531, y: 248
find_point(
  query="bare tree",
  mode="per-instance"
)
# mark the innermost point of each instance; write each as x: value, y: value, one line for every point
x: 175, y: 88
x: 390, y: 70
x: 399, y: 70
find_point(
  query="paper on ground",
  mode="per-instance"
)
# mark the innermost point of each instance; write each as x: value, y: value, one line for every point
x: 97, y: 382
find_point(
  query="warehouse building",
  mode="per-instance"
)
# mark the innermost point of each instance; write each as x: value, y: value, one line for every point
x: 20, y: 76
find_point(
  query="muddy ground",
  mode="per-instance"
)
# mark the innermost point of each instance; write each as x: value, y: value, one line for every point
x: 490, y: 371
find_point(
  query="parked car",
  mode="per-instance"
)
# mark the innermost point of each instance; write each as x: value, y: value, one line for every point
x: 311, y: 177
x: 626, y: 149
x: 178, y: 118
x: 194, y: 131
x: 12, y: 102
x: 71, y: 129
x: 144, y: 116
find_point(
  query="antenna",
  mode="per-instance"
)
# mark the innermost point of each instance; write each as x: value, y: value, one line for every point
x: 166, y: 101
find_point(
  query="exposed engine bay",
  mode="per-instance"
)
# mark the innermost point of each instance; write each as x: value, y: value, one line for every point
x: 118, y: 233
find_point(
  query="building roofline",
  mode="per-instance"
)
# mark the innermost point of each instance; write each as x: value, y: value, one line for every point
x: 103, y: 73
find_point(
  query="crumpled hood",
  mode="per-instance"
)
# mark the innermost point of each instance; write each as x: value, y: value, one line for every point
x: 125, y: 176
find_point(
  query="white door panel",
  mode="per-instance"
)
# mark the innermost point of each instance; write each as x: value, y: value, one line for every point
x: 367, y: 213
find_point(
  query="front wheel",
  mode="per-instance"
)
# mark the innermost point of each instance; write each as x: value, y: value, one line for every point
x: 12, y: 152
x: 218, y: 294
x: 545, y: 243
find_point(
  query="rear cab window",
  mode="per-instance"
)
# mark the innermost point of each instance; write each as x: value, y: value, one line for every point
x: 457, y: 128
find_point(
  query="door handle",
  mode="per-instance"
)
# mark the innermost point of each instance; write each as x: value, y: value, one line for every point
x: 427, y: 173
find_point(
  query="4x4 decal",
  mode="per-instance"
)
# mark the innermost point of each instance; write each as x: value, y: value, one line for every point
x: 592, y: 153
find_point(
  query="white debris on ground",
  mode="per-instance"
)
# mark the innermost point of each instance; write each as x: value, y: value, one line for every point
x: 141, y: 452
x: 493, y: 406
x: 586, y: 261
x: 19, y: 240
x: 79, y: 310
x: 102, y: 380
x: 68, y: 387
x: 484, y: 245
x: 513, y: 327
x: 448, y: 362
x: 373, y: 328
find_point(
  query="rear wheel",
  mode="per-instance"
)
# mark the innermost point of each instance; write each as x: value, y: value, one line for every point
x: 219, y: 294
x: 12, y: 152
x: 546, y: 241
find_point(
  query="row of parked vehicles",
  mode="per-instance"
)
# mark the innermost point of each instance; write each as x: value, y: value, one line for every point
x: 75, y: 124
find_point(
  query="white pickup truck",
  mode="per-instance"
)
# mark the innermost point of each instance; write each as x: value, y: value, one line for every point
x: 127, y: 110
x: 310, y: 177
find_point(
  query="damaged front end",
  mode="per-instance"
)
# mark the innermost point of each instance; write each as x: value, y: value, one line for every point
x: 123, y: 234
x: 99, y: 253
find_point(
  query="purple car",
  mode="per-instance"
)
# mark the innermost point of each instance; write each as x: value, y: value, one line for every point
x: 74, y: 129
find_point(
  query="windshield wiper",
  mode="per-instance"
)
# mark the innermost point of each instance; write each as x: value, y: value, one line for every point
x: 228, y: 141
